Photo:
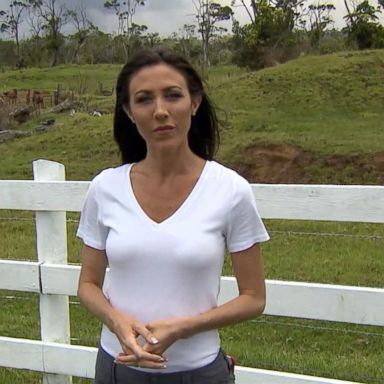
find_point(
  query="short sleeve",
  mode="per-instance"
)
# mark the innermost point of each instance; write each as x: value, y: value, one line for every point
x: 244, y: 225
x: 91, y: 229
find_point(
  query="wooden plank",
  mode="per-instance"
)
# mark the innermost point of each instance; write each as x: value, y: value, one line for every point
x: 51, y: 239
x: 275, y: 201
x: 59, y: 279
x: 245, y: 375
x: 320, y: 202
x: 71, y: 360
x: 19, y: 276
x: 42, y: 195
x: 357, y: 305
x: 21, y: 354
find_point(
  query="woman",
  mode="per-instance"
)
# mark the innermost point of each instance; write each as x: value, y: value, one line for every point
x: 161, y: 222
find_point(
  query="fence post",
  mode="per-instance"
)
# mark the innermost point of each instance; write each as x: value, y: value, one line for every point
x: 51, y: 235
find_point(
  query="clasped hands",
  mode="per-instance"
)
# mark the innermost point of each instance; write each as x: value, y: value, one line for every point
x: 158, y: 335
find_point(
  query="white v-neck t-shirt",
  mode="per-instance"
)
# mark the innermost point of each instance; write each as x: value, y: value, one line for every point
x: 173, y: 268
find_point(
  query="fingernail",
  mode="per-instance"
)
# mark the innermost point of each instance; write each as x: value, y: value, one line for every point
x: 154, y: 340
x: 164, y: 366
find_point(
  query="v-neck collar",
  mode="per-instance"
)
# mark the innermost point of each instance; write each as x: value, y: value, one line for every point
x: 182, y: 207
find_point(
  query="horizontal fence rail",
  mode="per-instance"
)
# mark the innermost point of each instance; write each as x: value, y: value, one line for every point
x: 275, y: 201
x: 50, y: 196
x: 20, y: 276
x: 357, y: 305
x: 80, y: 361
x: 354, y: 203
x: 42, y: 195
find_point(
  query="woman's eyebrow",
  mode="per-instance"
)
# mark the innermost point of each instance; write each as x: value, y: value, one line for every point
x: 170, y: 88
x: 173, y: 87
x: 145, y: 91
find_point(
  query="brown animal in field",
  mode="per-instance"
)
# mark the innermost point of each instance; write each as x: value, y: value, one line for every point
x: 11, y: 96
x: 28, y: 97
x: 38, y: 100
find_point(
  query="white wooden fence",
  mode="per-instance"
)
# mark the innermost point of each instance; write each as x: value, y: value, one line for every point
x: 50, y: 197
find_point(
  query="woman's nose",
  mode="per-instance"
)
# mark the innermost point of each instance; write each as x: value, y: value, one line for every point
x: 160, y: 110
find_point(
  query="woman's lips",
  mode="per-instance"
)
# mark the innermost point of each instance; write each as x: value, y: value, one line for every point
x: 164, y: 128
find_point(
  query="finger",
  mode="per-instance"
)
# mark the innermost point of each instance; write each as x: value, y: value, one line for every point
x: 154, y: 349
x: 126, y: 359
x: 146, y: 364
x: 139, y: 353
x: 146, y: 333
x: 131, y: 360
x: 147, y: 356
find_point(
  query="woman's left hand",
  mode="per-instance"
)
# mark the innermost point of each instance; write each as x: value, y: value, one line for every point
x: 166, y: 332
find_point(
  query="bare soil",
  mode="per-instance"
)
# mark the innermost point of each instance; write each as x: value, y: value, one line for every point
x: 283, y: 163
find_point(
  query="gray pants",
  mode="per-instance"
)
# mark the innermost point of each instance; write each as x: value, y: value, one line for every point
x: 108, y: 372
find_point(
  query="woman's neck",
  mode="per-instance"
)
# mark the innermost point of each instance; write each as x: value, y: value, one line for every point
x: 166, y: 162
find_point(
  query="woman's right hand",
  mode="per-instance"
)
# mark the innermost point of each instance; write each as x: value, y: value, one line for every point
x: 127, y: 329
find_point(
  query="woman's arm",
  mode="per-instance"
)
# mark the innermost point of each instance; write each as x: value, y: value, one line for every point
x: 249, y: 273
x: 248, y: 269
x: 126, y: 328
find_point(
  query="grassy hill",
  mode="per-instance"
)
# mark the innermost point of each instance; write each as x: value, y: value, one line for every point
x: 317, y: 119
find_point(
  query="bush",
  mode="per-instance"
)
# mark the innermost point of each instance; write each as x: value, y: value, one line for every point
x: 332, y: 42
x: 4, y: 117
x: 367, y: 35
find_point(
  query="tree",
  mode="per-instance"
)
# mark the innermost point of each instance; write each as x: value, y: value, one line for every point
x: 11, y: 20
x: 362, y: 24
x: 273, y: 20
x: 53, y: 18
x: 320, y: 18
x: 83, y: 28
x: 208, y: 14
x: 125, y: 12
x: 7, y: 53
x: 290, y: 8
x: 269, y: 38
x: 152, y: 39
x: 187, y: 41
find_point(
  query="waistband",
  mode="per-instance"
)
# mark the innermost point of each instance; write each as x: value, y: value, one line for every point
x: 218, y: 368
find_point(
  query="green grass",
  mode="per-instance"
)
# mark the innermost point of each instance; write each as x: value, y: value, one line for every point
x: 341, y: 253
x: 69, y: 77
x: 325, y: 104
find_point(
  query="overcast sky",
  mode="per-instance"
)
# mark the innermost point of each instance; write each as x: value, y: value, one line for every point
x: 165, y: 16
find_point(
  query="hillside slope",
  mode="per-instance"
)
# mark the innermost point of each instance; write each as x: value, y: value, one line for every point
x: 317, y: 119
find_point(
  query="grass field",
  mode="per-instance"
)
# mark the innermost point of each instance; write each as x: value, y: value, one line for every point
x: 319, y: 348
x: 326, y: 105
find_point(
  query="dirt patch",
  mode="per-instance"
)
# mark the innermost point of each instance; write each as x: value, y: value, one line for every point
x: 282, y: 163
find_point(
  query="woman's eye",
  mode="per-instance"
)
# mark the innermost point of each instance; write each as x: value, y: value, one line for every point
x: 173, y: 96
x: 143, y: 99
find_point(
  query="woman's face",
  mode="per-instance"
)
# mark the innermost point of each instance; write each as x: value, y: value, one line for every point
x: 161, y: 106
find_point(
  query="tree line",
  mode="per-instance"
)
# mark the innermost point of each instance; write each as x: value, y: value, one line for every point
x: 277, y: 30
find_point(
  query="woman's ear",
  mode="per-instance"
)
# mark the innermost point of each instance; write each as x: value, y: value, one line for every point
x: 128, y: 113
x: 196, y: 101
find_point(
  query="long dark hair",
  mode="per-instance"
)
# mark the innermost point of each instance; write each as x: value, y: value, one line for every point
x: 203, y: 136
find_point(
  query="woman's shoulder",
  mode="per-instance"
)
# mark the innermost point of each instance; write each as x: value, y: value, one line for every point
x: 110, y: 176
x: 228, y: 175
